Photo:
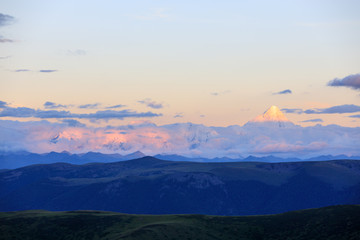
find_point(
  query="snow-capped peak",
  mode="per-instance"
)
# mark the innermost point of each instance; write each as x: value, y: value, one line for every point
x: 273, y: 114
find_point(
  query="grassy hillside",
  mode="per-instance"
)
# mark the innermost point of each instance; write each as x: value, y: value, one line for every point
x: 336, y: 222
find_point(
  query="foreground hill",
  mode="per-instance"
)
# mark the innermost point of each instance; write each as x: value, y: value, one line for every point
x: 152, y: 186
x: 330, y: 223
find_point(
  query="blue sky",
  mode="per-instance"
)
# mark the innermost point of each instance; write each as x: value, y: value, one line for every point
x: 209, y: 62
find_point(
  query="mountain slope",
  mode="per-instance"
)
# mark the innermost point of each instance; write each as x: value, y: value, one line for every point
x: 151, y: 186
x: 336, y: 222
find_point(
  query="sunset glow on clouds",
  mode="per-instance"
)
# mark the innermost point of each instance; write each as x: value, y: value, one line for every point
x: 274, y: 135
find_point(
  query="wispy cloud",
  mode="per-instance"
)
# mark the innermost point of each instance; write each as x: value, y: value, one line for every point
x: 52, y: 105
x: 292, y: 110
x: 355, y: 116
x: 286, y: 91
x: 220, y: 93
x: 116, y: 106
x: 5, y: 20
x: 340, y: 109
x: 151, y: 104
x: 5, y: 57
x: 3, y: 104
x: 47, y: 71
x: 5, y: 40
x: 178, y: 115
x: 351, y: 81
x: 22, y: 70
x: 90, y: 106
x: 110, y: 114
x: 313, y: 120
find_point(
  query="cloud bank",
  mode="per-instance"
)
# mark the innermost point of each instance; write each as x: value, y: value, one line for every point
x: 339, y: 109
x: 186, y: 139
x: 193, y: 140
x: 25, y: 112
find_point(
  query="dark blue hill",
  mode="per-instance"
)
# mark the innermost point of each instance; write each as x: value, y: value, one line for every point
x: 152, y: 186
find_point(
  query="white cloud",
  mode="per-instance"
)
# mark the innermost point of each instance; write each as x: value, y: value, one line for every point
x: 181, y: 138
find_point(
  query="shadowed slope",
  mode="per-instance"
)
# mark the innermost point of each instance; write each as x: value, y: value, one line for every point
x: 152, y: 186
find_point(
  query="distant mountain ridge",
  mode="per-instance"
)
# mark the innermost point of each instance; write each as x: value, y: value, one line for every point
x: 12, y: 160
x: 152, y: 186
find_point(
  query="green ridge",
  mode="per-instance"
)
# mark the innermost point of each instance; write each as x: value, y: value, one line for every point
x: 335, y: 222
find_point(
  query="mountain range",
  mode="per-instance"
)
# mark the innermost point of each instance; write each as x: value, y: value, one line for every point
x: 12, y: 160
x: 151, y: 186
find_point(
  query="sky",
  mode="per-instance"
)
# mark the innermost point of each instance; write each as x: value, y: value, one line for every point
x: 114, y: 63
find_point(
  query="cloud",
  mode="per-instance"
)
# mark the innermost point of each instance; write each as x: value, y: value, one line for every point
x: 110, y: 114
x: 24, y: 112
x: 347, y: 108
x: 6, y: 19
x: 116, y: 106
x: 22, y: 70
x: 178, y: 115
x: 286, y: 91
x: 3, y: 104
x: 313, y: 120
x: 47, y: 71
x: 186, y: 139
x: 77, y: 52
x: 90, y: 106
x: 292, y: 110
x: 5, y: 57
x: 355, y: 116
x: 151, y: 104
x: 5, y: 40
x: 51, y: 105
x: 53, y: 114
x: 340, y: 109
x: 220, y: 93
x: 73, y: 123
x: 351, y: 81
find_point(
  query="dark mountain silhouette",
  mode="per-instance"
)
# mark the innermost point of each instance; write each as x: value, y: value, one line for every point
x: 152, y: 186
x: 12, y: 160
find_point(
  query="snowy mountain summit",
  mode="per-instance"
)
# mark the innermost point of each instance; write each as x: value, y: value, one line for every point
x: 271, y: 117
